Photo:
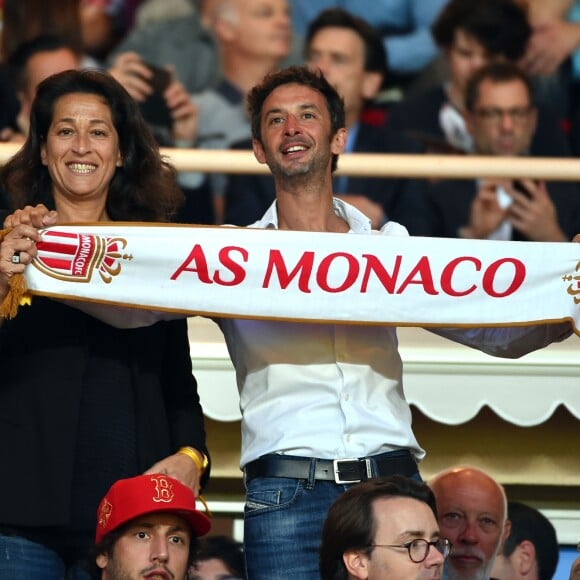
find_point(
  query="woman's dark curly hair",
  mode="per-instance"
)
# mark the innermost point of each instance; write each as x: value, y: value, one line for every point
x: 143, y: 189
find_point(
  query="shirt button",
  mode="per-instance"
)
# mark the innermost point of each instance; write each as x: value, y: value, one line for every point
x: 347, y: 397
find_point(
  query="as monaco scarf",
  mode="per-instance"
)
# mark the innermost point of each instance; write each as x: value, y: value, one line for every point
x: 273, y: 274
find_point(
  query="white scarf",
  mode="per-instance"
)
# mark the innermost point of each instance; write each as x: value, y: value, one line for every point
x: 255, y: 273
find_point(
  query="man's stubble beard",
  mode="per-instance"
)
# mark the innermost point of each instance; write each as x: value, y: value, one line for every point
x: 116, y: 572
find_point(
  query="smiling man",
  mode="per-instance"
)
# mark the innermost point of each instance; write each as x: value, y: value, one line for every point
x: 147, y: 528
x: 472, y: 510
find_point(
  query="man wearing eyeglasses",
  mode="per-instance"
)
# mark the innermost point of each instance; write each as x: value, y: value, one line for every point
x: 472, y: 514
x: 502, y: 120
x: 384, y: 528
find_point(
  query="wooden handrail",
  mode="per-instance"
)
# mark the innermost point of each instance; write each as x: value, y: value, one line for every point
x: 378, y: 165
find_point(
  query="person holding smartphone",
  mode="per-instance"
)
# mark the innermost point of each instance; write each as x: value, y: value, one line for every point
x: 173, y: 118
x: 502, y: 118
x: 166, y: 104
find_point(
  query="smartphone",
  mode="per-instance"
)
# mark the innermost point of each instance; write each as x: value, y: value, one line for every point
x: 154, y: 109
x: 519, y: 186
x: 161, y: 77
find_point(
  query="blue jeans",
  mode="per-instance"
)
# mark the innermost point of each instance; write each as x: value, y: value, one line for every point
x: 283, y: 521
x: 21, y: 559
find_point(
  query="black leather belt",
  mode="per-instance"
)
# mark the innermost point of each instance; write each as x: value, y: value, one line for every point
x: 337, y: 470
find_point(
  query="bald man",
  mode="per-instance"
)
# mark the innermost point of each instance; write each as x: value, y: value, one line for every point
x: 472, y: 509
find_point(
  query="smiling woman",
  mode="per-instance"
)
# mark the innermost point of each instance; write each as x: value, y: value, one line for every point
x: 82, y: 154
x: 86, y: 117
x: 83, y: 404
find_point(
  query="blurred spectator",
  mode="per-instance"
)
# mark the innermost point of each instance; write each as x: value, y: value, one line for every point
x: 218, y: 558
x: 173, y: 118
x: 404, y: 26
x: 103, y: 25
x: 502, y: 118
x: 554, y: 38
x: 553, y: 56
x: 30, y: 64
x: 154, y: 10
x: 531, y: 550
x: 165, y: 102
x: 25, y: 20
x: 472, y: 34
x: 185, y: 42
x: 350, y: 54
x: 254, y: 38
x: 90, y: 27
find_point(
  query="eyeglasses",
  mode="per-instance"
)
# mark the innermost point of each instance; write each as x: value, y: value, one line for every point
x: 419, y: 549
x: 496, y: 115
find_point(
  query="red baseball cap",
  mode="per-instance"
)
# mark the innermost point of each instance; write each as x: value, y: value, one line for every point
x: 128, y: 499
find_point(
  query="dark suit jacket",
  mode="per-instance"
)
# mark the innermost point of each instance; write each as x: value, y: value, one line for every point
x: 419, y: 113
x: 43, y: 357
x: 450, y: 201
x: 403, y: 200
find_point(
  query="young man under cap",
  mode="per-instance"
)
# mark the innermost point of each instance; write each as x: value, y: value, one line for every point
x: 147, y: 527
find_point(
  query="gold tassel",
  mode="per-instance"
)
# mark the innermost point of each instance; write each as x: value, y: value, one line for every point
x: 17, y: 295
x: 205, y: 505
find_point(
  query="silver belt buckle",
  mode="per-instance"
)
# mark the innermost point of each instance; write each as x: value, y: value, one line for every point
x: 336, y: 468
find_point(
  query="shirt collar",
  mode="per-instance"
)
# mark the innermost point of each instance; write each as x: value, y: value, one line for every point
x: 356, y: 220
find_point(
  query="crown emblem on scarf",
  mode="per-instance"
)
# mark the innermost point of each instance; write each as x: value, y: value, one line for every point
x: 574, y: 286
x: 75, y: 256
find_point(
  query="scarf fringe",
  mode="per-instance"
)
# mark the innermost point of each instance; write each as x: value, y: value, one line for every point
x: 17, y: 295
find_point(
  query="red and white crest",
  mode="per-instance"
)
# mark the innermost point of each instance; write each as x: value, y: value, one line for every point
x: 75, y: 256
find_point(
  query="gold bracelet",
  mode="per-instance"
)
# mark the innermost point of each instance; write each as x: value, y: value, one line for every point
x: 192, y: 453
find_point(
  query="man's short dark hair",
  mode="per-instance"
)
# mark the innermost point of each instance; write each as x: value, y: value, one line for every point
x: 21, y: 56
x: 527, y: 523
x: 350, y: 523
x: 500, y: 26
x: 222, y: 548
x: 375, y: 53
x: 497, y: 72
x: 299, y: 75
